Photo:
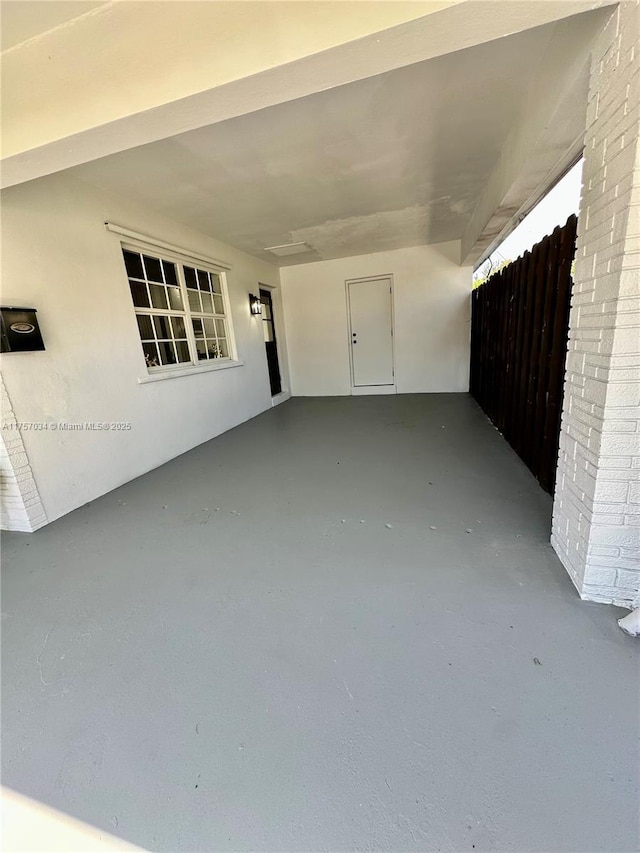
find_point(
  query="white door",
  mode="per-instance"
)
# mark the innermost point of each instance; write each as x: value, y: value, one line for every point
x: 371, y: 332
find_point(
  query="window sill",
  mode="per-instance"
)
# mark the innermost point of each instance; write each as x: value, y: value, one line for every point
x: 189, y: 370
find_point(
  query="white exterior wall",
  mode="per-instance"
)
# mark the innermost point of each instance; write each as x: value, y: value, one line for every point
x: 431, y: 319
x: 596, y: 523
x: 59, y: 258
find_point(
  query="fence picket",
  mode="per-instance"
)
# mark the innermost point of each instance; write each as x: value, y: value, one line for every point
x: 519, y: 331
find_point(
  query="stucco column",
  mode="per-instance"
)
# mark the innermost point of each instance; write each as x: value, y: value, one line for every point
x: 596, y: 519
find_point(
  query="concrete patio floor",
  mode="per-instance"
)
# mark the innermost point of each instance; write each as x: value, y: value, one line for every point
x: 337, y: 627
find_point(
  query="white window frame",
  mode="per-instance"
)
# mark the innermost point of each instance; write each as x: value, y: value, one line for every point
x: 180, y: 259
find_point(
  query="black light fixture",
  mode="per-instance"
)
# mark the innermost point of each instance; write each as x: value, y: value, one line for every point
x: 255, y: 305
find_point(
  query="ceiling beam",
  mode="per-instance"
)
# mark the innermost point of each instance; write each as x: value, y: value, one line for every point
x: 133, y: 73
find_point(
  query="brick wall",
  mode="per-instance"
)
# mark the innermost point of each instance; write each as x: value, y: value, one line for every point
x: 20, y: 505
x: 596, y: 522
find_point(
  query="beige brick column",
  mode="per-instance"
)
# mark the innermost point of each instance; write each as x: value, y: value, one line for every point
x: 20, y: 505
x: 596, y: 519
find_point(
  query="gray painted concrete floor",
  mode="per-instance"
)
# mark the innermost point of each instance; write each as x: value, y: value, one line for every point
x: 267, y: 677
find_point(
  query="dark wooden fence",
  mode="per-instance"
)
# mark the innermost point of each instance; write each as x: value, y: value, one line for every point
x: 519, y: 331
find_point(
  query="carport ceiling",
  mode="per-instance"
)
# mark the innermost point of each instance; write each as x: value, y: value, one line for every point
x: 26, y: 19
x: 391, y: 161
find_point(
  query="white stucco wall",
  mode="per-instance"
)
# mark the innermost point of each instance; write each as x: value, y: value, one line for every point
x: 431, y: 311
x: 59, y: 258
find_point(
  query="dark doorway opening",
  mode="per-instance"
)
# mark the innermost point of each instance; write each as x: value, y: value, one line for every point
x: 270, y: 342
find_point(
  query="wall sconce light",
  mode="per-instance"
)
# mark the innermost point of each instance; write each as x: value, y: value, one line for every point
x: 255, y: 305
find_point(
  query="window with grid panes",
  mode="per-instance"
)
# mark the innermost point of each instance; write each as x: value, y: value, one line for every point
x: 179, y: 308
